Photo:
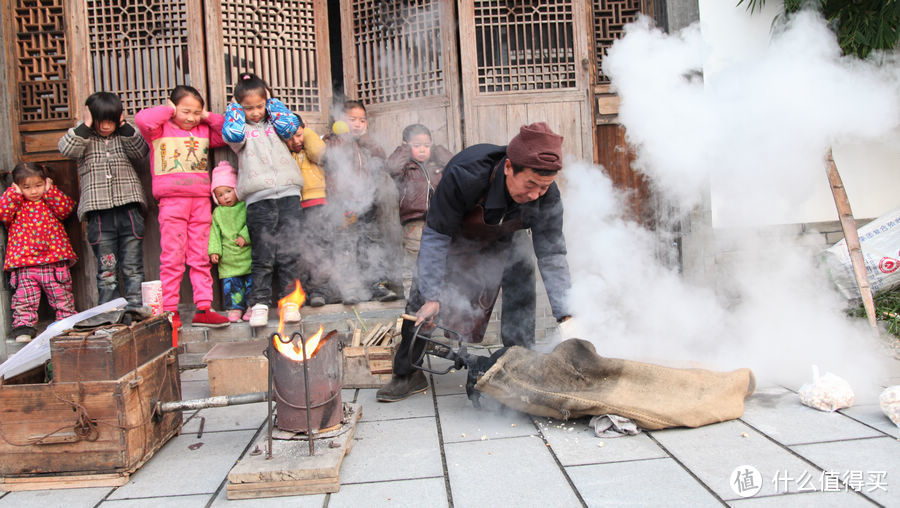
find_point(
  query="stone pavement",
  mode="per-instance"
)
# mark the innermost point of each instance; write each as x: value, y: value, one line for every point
x: 436, y: 449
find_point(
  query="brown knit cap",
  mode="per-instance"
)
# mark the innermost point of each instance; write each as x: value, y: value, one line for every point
x: 536, y: 147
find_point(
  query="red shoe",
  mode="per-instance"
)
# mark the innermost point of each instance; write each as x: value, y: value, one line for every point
x: 209, y: 318
x: 176, y: 324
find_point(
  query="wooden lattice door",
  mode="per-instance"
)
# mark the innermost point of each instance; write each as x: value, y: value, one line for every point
x: 285, y: 42
x: 524, y: 62
x: 400, y: 59
x: 611, y: 150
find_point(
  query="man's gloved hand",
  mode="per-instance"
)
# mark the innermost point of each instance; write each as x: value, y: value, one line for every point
x: 569, y: 329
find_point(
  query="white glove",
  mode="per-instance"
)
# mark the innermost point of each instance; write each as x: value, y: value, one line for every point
x: 569, y: 329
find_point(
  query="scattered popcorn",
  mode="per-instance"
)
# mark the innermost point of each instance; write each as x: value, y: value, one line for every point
x: 513, y: 425
x: 484, y: 437
x: 744, y: 434
x: 600, y: 444
x: 463, y: 434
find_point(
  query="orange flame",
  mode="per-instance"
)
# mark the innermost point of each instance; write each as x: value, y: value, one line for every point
x: 297, y: 296
x: 293, y: 351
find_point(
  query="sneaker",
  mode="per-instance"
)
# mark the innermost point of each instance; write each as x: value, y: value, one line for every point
x: 209, y: 318
x: 247, y: 314
x: 259, y: 315
x: 402, y: 387
x: 383, y: 293
x: 316, y: 300
x: 22, y: 333
x: 234, y: 315
x: 291, y: 313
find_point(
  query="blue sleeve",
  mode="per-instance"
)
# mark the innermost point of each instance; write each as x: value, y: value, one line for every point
x: 235, y: 123
x: 285, y: 122
x: 432, y: 263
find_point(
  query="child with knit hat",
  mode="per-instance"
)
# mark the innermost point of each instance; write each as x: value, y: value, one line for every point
x: 229, y: 241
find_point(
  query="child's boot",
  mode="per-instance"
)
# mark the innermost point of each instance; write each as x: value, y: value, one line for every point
x: 209, y: 318
x: 234, y: 315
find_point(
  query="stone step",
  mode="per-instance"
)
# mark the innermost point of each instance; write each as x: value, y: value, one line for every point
x: 199, y: 340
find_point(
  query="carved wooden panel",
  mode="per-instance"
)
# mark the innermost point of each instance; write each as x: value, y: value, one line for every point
x: 610, y: 18
x: 277, y: 41
x: 41, y: 67
x: 524, y: 46
x: 399, y: 54
x: 139, y: 49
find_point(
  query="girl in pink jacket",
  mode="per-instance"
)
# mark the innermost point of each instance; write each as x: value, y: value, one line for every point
x: 180, y: 135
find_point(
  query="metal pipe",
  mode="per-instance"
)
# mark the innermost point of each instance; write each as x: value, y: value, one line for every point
x: 309, y: 429
x: 220, y: 401
x: 270, y: 351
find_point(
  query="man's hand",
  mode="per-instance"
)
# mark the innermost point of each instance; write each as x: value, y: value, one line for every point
x: 214, y: 258
x: 48, y: 184
x: 427, y: 312
x: 240, y: 241
x: 16, y: 188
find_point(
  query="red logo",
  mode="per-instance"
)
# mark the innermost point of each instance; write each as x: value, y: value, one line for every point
x: 888, y: 265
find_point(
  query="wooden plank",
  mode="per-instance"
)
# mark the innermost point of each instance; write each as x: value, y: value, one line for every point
x: 63, y: 482
x: 356, y: 337
x: 291, y: 470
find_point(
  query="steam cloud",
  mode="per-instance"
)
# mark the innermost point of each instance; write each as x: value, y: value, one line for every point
x: 757, y: 131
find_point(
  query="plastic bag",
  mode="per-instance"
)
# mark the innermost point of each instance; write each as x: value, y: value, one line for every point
x: 890, y: 403
x: 880, y: 244
x: 826, y: 393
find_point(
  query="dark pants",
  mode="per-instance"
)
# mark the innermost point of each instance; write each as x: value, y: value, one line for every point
x: 116, y: 236
x: 236, y: 290
x: 274, y: 226
x: 317, y: 241
x: 517, y: 314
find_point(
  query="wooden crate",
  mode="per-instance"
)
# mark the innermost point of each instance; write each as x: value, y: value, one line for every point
x: 368, y: 367
x: 92, y: 357
x: 38, y: 424
x: 237, y: 367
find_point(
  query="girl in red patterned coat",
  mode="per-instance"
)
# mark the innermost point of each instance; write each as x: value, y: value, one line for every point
x: 38, y: 252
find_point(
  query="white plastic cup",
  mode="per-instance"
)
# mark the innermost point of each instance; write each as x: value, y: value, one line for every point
x: 151, y: 295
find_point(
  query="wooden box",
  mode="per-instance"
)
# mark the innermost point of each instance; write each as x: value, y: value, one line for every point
x: 367, y: 366
x: 44, y: 439
x: 237, y: 367
x: 89, y: 356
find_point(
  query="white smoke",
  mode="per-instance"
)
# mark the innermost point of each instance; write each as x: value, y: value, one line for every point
x: 756, y: 131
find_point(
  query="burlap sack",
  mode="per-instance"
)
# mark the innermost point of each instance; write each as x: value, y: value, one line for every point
x: 574, y: 381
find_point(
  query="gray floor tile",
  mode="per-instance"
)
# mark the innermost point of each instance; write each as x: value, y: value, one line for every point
x: 195, y: 375
x: 713, y: 452
x: 178, y: 470
x: 429, y: 492
x: 452, y: 383
x: 194, y: 390
x: 393, y: 450
x: 241, y: 417
x: 62, y: 498
x: 861, y: 456
x: 804, y: 499
x: 194, y: 501
x: 871, y: 414
x: 461, y: 421
x: 581, y: 446
x: 310, y: 501
x: 778, y: 413
x: 419, y: 405
x: 506, y: 472
x: 653, y: 482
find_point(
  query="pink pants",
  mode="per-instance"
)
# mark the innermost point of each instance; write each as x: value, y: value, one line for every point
x: 184, y: 238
